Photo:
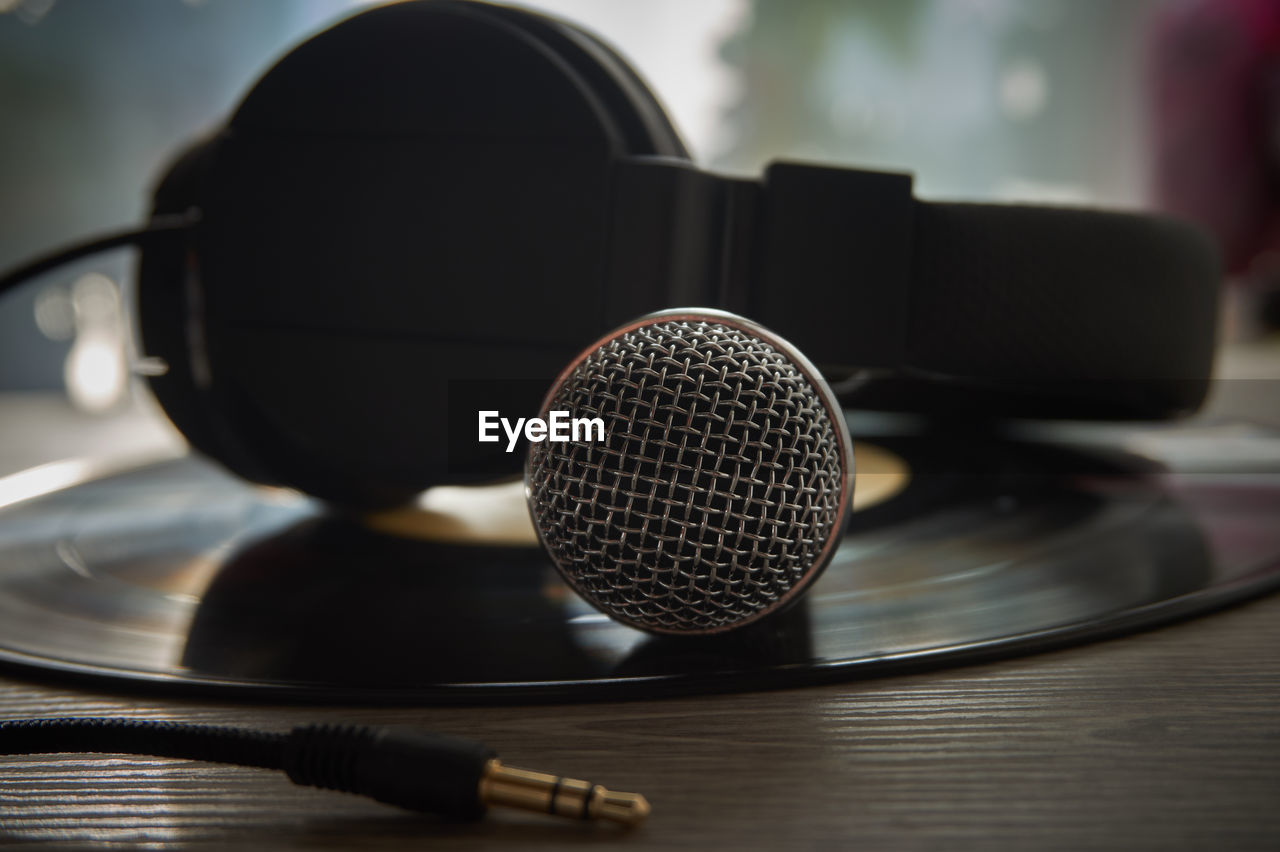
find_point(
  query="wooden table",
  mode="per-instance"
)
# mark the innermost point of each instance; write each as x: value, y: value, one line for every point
x: 1162, y: 740
x: 1167, y: 739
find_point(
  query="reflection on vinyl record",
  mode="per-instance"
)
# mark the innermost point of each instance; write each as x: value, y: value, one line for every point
x: 175, y: 574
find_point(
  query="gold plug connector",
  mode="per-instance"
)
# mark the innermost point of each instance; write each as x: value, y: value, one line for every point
x: 552, y: 794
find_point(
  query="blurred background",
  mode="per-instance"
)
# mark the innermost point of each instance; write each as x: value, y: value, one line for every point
x: 1173, y: 104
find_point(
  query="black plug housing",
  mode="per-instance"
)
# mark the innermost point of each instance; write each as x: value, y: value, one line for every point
x: 405, y: 767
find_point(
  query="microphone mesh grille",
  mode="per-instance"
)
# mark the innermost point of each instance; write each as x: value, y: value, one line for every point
x: 715, y: 491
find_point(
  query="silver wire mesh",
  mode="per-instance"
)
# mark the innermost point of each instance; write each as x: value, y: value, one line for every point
x: 715, y: 490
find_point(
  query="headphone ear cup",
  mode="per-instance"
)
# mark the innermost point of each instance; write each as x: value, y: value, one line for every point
x: 413, y: 199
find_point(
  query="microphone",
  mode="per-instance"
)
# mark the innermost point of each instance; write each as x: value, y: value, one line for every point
x: 721, y: 486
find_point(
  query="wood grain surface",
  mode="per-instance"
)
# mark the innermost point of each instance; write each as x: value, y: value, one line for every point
x: 1162, y: 740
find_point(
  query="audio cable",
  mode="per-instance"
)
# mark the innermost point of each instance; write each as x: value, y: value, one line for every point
x: 413, y: 769
x: 159, y: 228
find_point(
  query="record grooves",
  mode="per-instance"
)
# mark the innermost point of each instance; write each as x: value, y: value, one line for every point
x: 176, y: 576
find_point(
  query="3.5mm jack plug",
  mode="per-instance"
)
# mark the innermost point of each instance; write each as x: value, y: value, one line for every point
x: 413, y: 769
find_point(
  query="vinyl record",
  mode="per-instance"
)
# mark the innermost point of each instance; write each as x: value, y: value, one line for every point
x: 963, y: 546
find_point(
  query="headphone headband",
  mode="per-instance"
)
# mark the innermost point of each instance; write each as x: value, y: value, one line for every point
x: 445, y: 191
x: 1035, y: 311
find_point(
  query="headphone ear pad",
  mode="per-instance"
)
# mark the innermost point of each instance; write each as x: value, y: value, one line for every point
x: 170, y: 324
x: 164, y: 316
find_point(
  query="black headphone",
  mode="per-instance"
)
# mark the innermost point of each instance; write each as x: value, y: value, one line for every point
x: 436, y: 193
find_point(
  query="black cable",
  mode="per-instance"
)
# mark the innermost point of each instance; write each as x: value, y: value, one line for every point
x: 417, y: 770
x: 130, y: 736
x: 160, y: 227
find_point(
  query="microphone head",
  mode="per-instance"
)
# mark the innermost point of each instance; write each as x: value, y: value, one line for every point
x: 720, y: 488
